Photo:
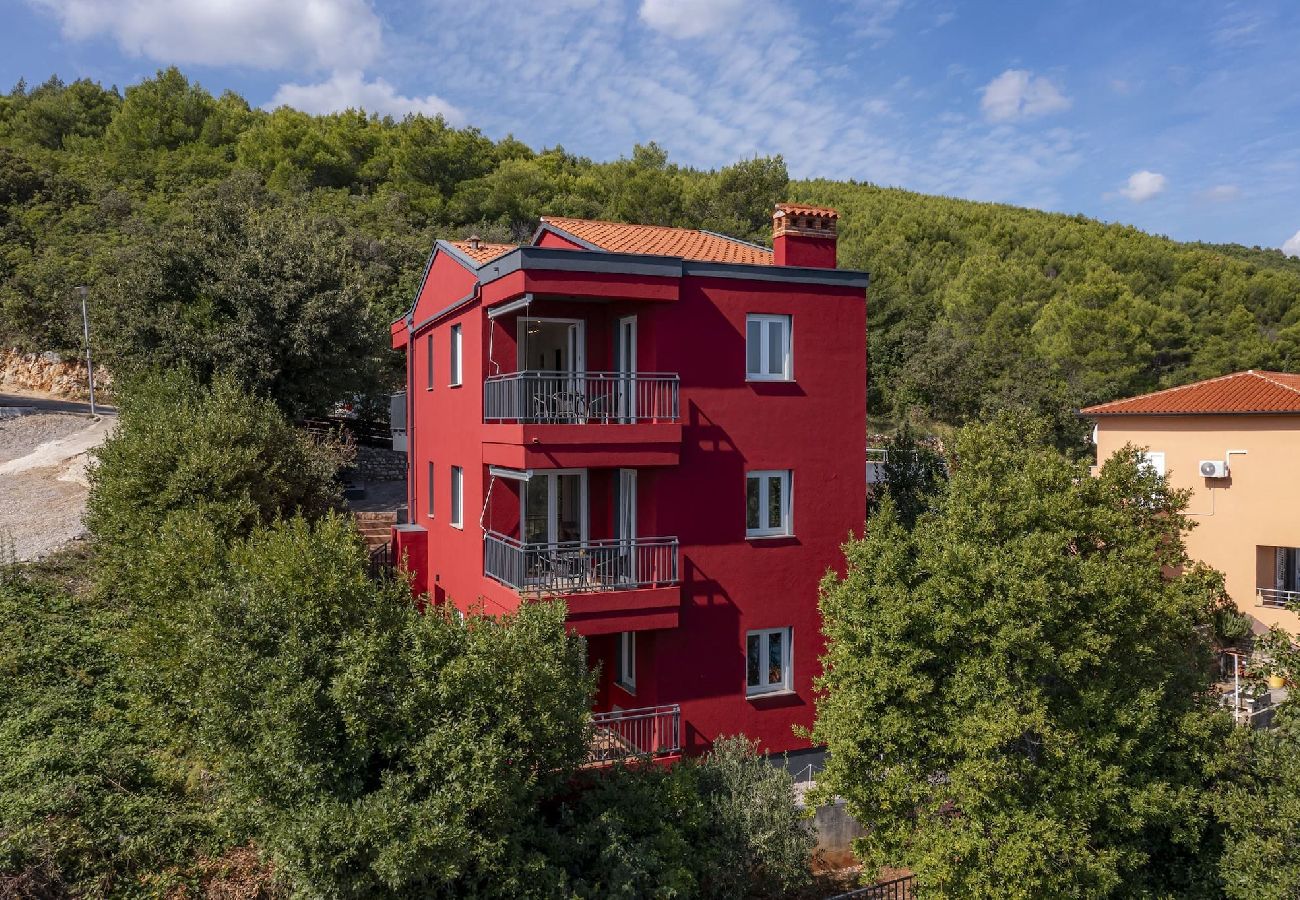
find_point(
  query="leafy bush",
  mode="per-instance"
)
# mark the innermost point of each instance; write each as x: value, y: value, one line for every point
x: 91, y: 802
x: 377, y: 750
x: 725, y: 826
x: 1017, y: 699
x: 1260, y: 806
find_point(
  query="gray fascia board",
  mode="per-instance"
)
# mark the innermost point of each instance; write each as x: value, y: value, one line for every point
x: 787, y: 274
x: 556, y: 260
x: 568, y: 236
x: 463, y: 301
x: 452, y: 251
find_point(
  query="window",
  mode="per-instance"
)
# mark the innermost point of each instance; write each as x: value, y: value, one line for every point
x: 455, y: 355
x: 767, y: 661
x: 1154, y: 460
x: 429, y: 510
x: 767, y: 348
x: 457, y: 496
x: 767, y: 504
x: 627, y: 661
x: 428, y: 349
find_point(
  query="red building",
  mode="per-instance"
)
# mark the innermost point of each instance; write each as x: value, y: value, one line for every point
x: 664, y: 427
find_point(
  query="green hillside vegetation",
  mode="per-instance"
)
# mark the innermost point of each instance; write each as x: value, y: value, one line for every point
x: 276, y: 246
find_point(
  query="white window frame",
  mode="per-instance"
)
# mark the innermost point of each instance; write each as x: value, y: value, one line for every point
x: 625, y: 677
x: 430, y: 473
x: 457, y: 344
x: 457, y: 497
x: 764, y: 635
x: 765, y: 321
x: 1155, y: 461
x: 786, y: 527
x: 428, y: 347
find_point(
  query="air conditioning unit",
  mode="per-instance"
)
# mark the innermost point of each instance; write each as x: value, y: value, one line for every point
x: 1214, y: 468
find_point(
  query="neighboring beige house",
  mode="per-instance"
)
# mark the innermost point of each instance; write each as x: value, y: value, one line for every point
x: 1235, y: 441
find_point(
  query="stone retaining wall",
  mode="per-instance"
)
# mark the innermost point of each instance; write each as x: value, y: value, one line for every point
x: 378, y: 464
x: 49, y: 373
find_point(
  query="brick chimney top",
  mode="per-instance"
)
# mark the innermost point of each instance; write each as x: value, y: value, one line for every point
x: 804, y: 235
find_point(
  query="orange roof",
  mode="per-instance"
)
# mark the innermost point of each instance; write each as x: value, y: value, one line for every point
x: 484, y: 252
x: 801, y: 210
x: 1240, y: 392
x: 660, y: 240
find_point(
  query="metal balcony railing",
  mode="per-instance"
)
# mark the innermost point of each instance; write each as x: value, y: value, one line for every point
x: 581, y: 398
x: 1278, y: 598
x: 631, y: 733
x: 576, y: 567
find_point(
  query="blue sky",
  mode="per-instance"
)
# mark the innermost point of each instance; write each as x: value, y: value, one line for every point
x: 1182, y: 118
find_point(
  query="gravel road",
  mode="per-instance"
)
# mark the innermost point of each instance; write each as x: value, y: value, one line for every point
x: 43, y: 485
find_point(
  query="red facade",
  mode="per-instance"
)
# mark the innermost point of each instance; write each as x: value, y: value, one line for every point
x: 588, y: 423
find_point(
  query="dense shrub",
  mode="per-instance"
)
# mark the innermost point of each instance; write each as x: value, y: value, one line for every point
x: 377, y: 749
x: 92, y: 804
x: 725, y: 826
x: 1017, y: 694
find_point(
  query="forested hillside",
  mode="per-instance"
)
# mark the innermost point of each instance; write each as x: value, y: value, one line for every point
x: 276, y: 246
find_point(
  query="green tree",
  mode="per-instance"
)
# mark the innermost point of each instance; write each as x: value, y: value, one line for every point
x: 1015, y: 695
x: 91, y: 805
x: 1260, y: 805
x: 377, y: 749
x: 914, y: 474
x: 250, y: 285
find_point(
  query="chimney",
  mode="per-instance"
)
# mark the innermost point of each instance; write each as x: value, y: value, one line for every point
x: 474, y: 241
x: 804, y: 236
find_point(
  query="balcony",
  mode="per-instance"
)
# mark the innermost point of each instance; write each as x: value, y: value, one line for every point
x: 581, y: 398
x: 635, y: 733
x: 1277, y: 598
x: 538, y: 419
x: 580, y: 567
x: 608, y: 585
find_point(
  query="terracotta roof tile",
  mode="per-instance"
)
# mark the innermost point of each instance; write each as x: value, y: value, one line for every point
x: 1241, y: 392
x: 661, y: 240
x: 800, y: 210
x: 484, y: 252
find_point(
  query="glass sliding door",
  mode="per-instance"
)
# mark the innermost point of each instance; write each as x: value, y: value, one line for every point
x: 552, y: 353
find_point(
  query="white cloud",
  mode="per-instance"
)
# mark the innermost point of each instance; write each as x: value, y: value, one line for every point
x: 1142, y: 186
x: 264, y: 34
x: 1291, y: 246
x: 349, y: 90
x: 690, y: 18
x: 1020, y: 94
x: 1222, y: 193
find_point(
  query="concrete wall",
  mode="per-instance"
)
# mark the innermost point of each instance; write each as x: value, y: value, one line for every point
x: 1257, y: 507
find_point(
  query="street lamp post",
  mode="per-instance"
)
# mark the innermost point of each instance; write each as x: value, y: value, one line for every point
x: 82, y: 290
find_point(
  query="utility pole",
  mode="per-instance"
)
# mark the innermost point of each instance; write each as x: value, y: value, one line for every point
x: 85, y: 330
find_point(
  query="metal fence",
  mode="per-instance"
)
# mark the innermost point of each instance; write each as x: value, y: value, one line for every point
x: 574, y: 567
x: 629, y: 733
x: 380, y: 563
x: 581, y: 398
x: 898, y: 889
x: 1278, y: 598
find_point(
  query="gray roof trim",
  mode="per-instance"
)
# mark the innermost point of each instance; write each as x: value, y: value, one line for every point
x: 445, y: 311
x: 454, y: 252
x: 786, y: 274
x: 567, y: 235
x: 558, y: 260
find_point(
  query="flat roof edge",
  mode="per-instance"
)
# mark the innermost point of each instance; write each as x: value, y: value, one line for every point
x: 563, y: 260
